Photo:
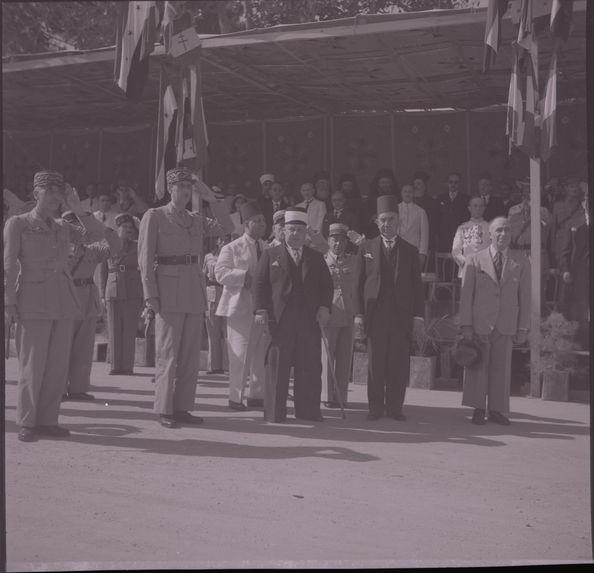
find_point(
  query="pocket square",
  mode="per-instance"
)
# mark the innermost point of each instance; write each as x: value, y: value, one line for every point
x: 368, y: 256
x: 275, y: 264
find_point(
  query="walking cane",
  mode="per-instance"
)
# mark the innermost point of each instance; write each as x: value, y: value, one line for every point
x: 331, y: 368
x: 252, y: 343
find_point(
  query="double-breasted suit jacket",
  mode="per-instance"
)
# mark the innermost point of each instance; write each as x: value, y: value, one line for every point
x: 496, y: 310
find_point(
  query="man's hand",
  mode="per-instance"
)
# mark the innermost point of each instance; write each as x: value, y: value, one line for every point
x: 467, y: 332
x: 205, y: 192
x: 154, y: 304
x: 248, y: 280
x: 72, y: 200
x: 359, y: 328
x: 355, y: 237
x: 10, y: 313
x: 323, y: 316
x: 261, y: 318
x: 567, y: 278
x: 521, y: 337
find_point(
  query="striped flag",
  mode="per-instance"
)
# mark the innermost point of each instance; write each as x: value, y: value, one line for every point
x: 198, y: 118
x: 561, y: 18
x: 548, y: 131
x: 166, y: 134
x: 495, y: 11
x: 185, y: 132
x: 135, y: 39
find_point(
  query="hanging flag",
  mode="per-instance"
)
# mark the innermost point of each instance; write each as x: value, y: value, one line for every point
x: 561, y: 18
x: 495, y: 11
x: 169, y: 15
x: 200, y: 132
x: 135, y: 40
x: 185, y: 130
x: 548, y: 131
x: 515, y: 107
x: 166, y: 134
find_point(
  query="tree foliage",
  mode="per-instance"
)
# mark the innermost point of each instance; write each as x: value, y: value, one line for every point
x: 32, y: 27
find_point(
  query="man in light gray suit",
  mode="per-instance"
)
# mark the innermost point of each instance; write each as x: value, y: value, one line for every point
x: 495, y: 309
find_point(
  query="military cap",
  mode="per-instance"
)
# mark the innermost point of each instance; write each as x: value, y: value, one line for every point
x: 124, y: 218
x: 279, y: 216
x: 387, y: 203
x: 338, y: 229
x: 296, y: 215
x: 178, y: 174
x: 266, y: 177
x: 47, y: 179
x: 249, y: 210
x: 70, y: 217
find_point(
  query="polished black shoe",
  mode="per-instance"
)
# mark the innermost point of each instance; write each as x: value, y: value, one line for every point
x: 372, y: 416
x: 332, y: 404
x: 167, y: 421
x: 478, y: 417
x: 187, y: 418
x: 26, y: 434
x: 239, y: 406
x: 255, y: 402
x: 79, y: 396
x: 499, y: 418
x: 399, y: 416
x: 52, y: 431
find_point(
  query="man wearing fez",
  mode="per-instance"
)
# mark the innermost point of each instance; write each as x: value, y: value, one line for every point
x: 293, y: 295
x: 495, y: 309
x: 122, y: 292
x: 82, y: 263
x: 169, y: 251
x: 40, y: 295
x: 389, y: 306
x: 235, y: 270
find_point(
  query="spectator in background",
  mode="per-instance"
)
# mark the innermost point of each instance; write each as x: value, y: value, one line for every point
x: 235, y: 215
x: 215, y: 325
x: 510, y: 195
x: 315, y: 209
x: 493, y: 205
x: 106, y: 213
x: 278, y: 229
x: 452, y: 212
x: 471, y: 236
x: 89, y: 201
x: 431, y: 207
x: 347, y: 183
x: 413, y: 224
x: 321, y: 181
x: 266, y: 182
x: 339, y: 213
x: 276, y: 202
x: 128, y: 201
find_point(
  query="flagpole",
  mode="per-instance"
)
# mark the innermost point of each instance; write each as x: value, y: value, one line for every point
x: 535, y: 259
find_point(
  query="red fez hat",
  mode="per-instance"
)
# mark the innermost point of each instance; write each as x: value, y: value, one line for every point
x: 387, y: 203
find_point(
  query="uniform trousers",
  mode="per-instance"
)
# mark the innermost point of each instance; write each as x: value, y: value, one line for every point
x: 122, y: 324
x: 216, y: 341
x: 388, y: 347
x: 298, y: 340
x: 81, y: 355
x: 43, y: 349
x: 489, y: 381
x: 340, y: 343
x: 178, y: 342
x: 239, y: 330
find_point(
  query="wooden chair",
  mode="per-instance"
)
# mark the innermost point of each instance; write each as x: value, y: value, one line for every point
x: 447, y: 277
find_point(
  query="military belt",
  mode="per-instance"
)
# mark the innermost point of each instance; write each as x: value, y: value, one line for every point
x: 177, y: 260
x: 122, y: 268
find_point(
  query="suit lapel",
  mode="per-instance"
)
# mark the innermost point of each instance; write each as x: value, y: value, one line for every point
x: 508, y: 267
x: 487, y: 264
x: 305, y: 263
x: 396, y: 249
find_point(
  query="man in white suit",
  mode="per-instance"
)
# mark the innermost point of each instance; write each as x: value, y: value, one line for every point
x: 315, y: 209
x: 247, y: 344
x: 495, y: 309
x: 414, y: 225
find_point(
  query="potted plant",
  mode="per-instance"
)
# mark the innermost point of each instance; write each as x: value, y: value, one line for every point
x: 424, y: 355
x: 557, y: 360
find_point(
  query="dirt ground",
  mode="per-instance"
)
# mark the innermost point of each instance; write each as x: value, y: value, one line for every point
x: 124, y: 493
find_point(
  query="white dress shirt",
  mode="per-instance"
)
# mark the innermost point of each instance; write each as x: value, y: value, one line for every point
x: 316, y: 211
x: 414, y: 226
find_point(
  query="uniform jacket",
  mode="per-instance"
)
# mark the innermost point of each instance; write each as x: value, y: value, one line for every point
x: 342, y: 272
x: 36, y: 274
x: 564, y: 216
x: 273, y: 282
x: 451, y: 215
x: 234, y: 261
x: 407, y: 280
x: 575, y: 253
x: 486, y: 304
x: 123, y: 284
x: 414, y: 226
x: 316, y: 211
x: 180, y: 288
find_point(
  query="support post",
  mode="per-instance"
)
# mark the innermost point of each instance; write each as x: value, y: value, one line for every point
x: 535, y: 260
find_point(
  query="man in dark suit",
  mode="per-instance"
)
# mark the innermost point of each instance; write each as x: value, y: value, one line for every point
x: 293, y: 295
x: 340, y: 213
x: 494, y: 206
x: 453, y: 211
x: 270, y: 205
x: 388, y: 302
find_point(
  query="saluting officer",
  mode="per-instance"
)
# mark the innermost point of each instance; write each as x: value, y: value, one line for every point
x: 169, y: 251
x: 40, y: 295
x: 82, y: 263
x: 123, y: 296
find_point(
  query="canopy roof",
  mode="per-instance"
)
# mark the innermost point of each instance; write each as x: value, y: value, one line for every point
x: 375, y: 63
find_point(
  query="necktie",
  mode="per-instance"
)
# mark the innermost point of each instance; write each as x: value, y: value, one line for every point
x: 103, y: 217
x: 498, y: 263
x: 296, y: 256
x: 307, y: 205
x: 389, y: 244
x: 486, y: 200
x: 258, y: 250
x: 337, y: 213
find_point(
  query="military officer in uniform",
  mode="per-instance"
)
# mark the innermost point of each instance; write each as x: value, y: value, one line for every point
x: 340, y: 328
x: 169, y: 256
x: 82, y: 263
x: 40, y: 295
x: 122, y: 292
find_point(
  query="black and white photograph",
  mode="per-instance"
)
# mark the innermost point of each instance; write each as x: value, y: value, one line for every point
x: 296, y: 284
